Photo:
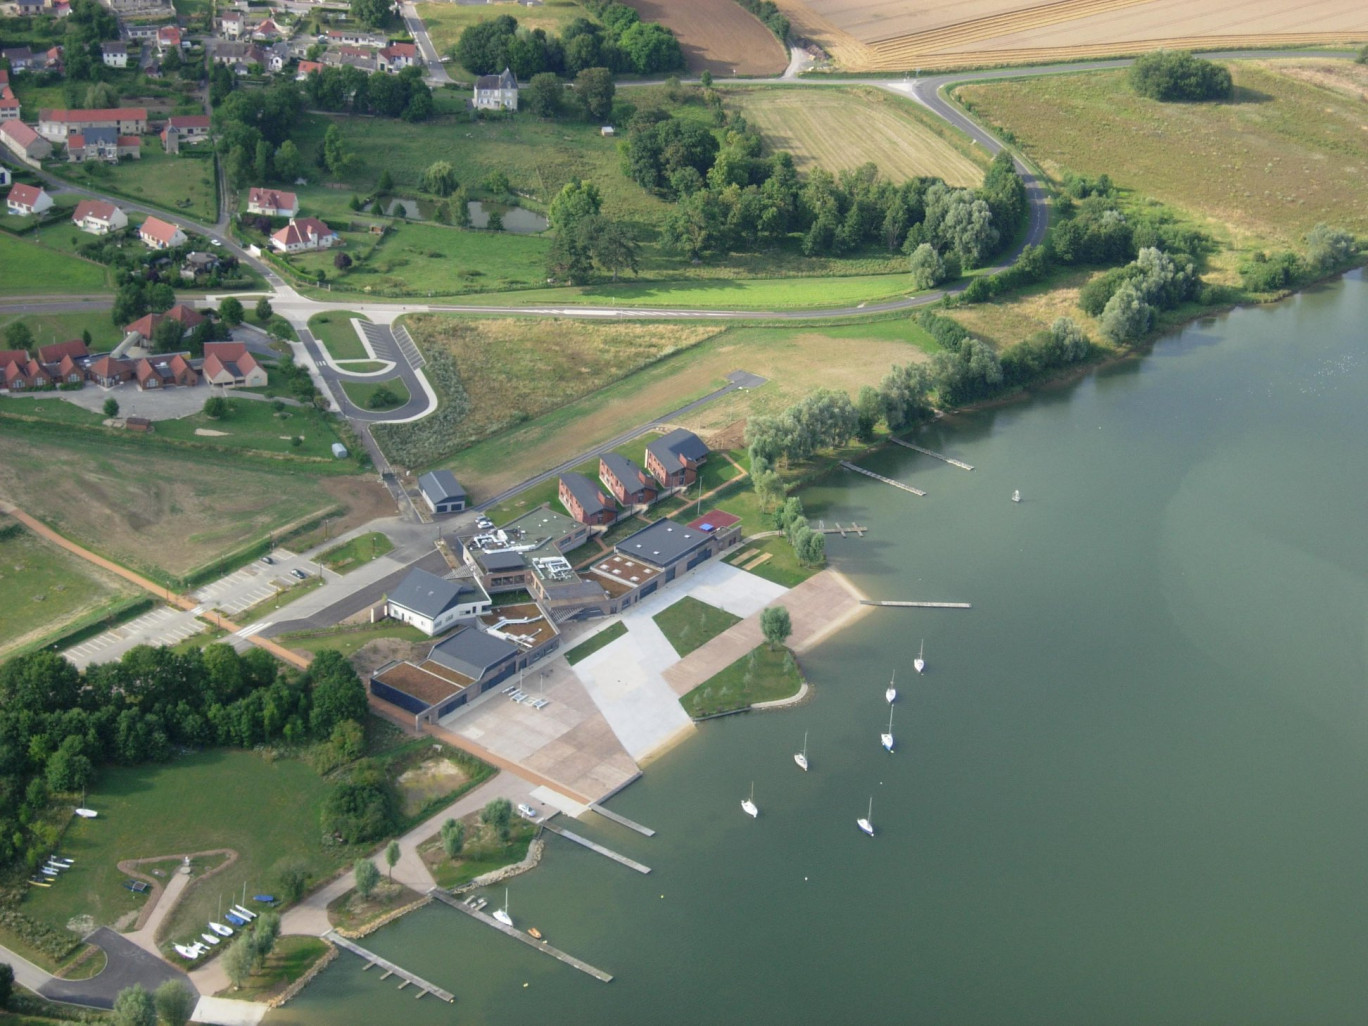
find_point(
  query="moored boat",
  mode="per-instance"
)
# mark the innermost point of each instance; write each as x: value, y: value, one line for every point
x: 801, y: 757
x: 866, y: 822
x: 748, y: 805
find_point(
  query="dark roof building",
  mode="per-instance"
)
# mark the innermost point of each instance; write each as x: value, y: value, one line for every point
x: 673, y: 459
x: 472, y: 652
x: 585, y: 501
x: 669, y: 545
x: 442, y: 492
x: 629, y: 484
x: 433, y: 603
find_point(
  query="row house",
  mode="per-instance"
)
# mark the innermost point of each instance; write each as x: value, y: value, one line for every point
x: 165, y: 371
x: 230, y: 365
x: 24, y: 142
x: 102, y: 144
x: 28, y: 199
x: 673, y: 459
x: 585, y: 501
x: 629, y: 484
x: 304, y: 235
x: 159, y: 234
x: 99, y: 217
x: 26, y: 376
x: 144, y: 327
x: 56, y: 124
x: 272, y: 203
x: 9, y: 103
x: 108, y: 371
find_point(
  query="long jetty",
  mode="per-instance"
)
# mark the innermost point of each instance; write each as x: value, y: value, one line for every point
x: 622, y: 820
x: 879, y: 477
x: 571, y: 836
x: 424, y: 987
x: 927, y: 452
x: 916, y: 605
x: 531, y: 942
x: 842, y: 529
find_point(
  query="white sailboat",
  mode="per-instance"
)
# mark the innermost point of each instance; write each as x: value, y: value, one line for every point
x: 886, y: 739
x: 1016, y: 495
x: 801, y: 757
x: 748, y: 804
x: 866, y: 822
x: 919, y: 664
x: 891, y: 692
x: 501, y: 914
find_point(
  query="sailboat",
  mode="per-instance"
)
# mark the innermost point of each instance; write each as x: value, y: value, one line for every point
x: 1016, y: 495
x: 886, y: 739
x: 890, y: 692
x: 801, y: 757
x: 919, y: 664
x: 501, y: 914
x: 866, y: 822
x: 748, y: 804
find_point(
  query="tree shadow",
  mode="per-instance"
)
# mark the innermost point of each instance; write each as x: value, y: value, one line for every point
x: 1243, y: 94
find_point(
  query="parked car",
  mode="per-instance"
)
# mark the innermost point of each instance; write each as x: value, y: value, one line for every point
x: 296, y: 572
x: 268, y: 560
x: 526, y: 811
x: 484, y: 522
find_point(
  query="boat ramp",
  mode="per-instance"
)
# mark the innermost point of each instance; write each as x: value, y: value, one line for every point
x: 570, y: 960
x: 424, y: 987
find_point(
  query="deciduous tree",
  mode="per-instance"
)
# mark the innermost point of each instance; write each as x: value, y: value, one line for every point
x: 776, y: 625
x: 367, y: 876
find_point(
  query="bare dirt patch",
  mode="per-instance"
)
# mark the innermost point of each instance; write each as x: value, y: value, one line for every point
x: 210, y: 433
x: 430, y: 779
x: 718, y: 36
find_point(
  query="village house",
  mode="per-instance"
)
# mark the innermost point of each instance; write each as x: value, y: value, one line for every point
x: 585, y: 501
x: 108, y: 371
x: 169, y: 38
x: 114, y: 54
x: 272, y: 203
x: 65, y: 362
x: 99, y: 217
x: 144, y: 327
x: 673, y: 459
x: 629, y: 484
x: 28, y: 199
x: 159, y: 234
x: 27, y: 376
x: 352, y: 57
x: 307, y: 68
x: 229, y: 365
x: 432, y: 603
x: 398, y: 56
x: 239, y: 56
x: 56, y: 124
x: 442, y: 492
x: 21, y: 58
x: 9, y: 104
x: 102, y: 144
x: 267, y: 31
x: 496, y: 92
x: 197, y: 264
x: 189, y: 128
x: 304, y: 234
x: 231, y: 24
x: 165, y: 372
x: 355, y: 37
x: 24, y: 142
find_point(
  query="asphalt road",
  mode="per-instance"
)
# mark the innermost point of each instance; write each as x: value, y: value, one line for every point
x: 128, y: 964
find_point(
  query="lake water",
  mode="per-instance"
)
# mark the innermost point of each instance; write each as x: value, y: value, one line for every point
x: 1129, y: 788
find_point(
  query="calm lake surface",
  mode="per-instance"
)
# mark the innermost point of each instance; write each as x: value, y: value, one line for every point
x: 1128, y: 789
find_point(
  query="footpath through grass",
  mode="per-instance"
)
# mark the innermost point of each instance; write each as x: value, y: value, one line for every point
x: 691, y: 623
x: 763, y: 675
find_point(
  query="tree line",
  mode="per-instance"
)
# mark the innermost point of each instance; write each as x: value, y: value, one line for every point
x: 59, y: 725
x: 622, y: 43
x: 346, y: 89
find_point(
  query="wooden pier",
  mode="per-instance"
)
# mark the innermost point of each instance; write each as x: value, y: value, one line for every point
x: 879, y: 477
x: 621, y: 820
x: 916, y: 605
x: 842, y: 529
x: 531, y: 942
x: 927, y: 452
x: 570, y: 836
x: 390, y: 968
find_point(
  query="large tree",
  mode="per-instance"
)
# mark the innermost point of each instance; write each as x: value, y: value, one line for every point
x: 543, y: 95
x: 175, y: 1003
x: 775, y: 625
x: 595, y: 89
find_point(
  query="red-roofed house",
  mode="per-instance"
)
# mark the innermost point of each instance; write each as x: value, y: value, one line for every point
x: 267, y: 30
x: 146, y: 325
x: 99, y: 217
x: 55, y: 352
x: 108, y: 371
x: 56, y: 124
x: 272, y: 203
x: 159, y: 234
x: 305, y: 234
x: 24, y: 142
x: 229, y: 365
x: 165, y: 371
x: 9, y: 104
x: 69, y: 370
x: 20, y: 376
x: 168, y: 37
x: 306, y: 68
x: 398, y: 56
x: 9, y: 356
x: 191, y: 128
x: 28, y: 199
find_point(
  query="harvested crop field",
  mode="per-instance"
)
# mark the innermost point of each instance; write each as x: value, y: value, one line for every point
x: 872, y: 35
x: 718, y: 36
x: 1286, y: 154
x: 158, y: 508
x: 840, y: 129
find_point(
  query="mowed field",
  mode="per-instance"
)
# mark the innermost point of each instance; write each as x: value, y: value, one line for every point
x: 30, y: 267
x: 158, y: 508
x: 1288, y: 153
x: 718, y: 36
x: 874, y: 35
x: 840, y: 129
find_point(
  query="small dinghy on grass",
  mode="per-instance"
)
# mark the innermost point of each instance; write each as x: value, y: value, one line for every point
x: 265, y: 899
x: 210, y: 939
x: 221, y: 930
x: 235, y: 919
x: 246, y: 914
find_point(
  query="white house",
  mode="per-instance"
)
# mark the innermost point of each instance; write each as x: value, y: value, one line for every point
x: 99, y: 217
x: 272, y: 203
x: 160, y: 234
x: 115, y: 54
x: 496, y: 92
x: 432, y: 604
x: 306, y: 233
x: 28, y: 199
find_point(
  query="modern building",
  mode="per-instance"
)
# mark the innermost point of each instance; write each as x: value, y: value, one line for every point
x: 586, y: 501
x: 674, y: 458
x: 99, y: 217
x: 28, y: 199
x: 442, y: 492
x: 230, y: 365
x: 432, y: 603
x: 628, y: 483
x: 497, y: 92
x: 159, y: 234
x: 675, y: 548
x: 272, y: 203
x: 498, y: 570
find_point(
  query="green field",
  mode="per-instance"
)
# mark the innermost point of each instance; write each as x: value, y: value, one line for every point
x: 43, y: 587
x: 265, y: 811
x: 348, y: 640
x: 483, y: 853
x: 801, y: 292
x: 48, y: 328
x: 1262, y: 169
x: 764, y: 675
x: 358, y: 551
x: 690, y: 624
x: 600, y: 640
x: 255, y: 424
x: 335, y: 330
x: 183, y: 183
x: 362, y: 392
x: 30, y: 267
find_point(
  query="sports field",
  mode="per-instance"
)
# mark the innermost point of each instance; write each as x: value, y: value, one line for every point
x: 719, y: 36
x: 840, y: 129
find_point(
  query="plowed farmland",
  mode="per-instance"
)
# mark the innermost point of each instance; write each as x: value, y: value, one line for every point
x: 875, y: 35
x: 839, y: 129
x: 718, y: 36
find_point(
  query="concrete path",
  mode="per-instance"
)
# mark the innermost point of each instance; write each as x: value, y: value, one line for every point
x: 26, y: 974
x: 146, y: 938
x: 225, y: 1012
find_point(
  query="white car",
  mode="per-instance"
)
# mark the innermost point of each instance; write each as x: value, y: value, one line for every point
x: 215, y: 242
x: 526, y: 811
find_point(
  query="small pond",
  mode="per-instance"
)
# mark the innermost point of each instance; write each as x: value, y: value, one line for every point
x: 515, y: 219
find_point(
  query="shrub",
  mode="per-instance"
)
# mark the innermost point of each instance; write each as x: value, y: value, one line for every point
x: 1176, y: 75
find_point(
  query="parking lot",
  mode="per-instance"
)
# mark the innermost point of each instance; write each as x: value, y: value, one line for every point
x: 256, y: 582
x: 162, y: 626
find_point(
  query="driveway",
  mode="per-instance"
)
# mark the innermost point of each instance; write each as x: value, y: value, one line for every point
x: 128, y: 964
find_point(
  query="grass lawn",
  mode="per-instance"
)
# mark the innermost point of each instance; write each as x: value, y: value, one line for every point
x: 604, y: 637
x: 30, y: 267
x: 548, y: 491
x: 348, y: 640
x: 782, y: 567
x: 363, y: 366
x: 352, y: 912
x: 363, y: 393
x: 265, y: 811
x: 445, y: 22
x: 184, y: 183
x: 764, y: 675
x: 338, y: 335
x: 291, y: 959
x: 252, y: 424
x: 1263, y: 169
x: 690, y: 624
x: 483, y: 851
x: 43, y: 588
x: 48, y: 328
x: 360, y: 550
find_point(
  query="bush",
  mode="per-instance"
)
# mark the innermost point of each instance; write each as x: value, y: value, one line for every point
x: 947, y: 333
x: 1328, y: 247
x: 1178, y: 76
x: 361, y: 808
x: 1274, y: 273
